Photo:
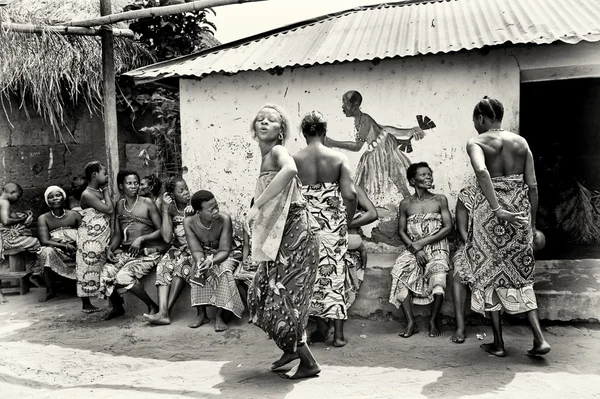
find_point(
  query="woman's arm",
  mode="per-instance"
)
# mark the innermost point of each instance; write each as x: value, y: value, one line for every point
x: 88, y: 200
x: 347, y: 189
x: 224, y: 241
x: 370, y: 212
x: 484, y: 179
x: 462, y: 220
x: 287, y: 172
x: 166, y: 228
x: 193, y: 242
x: 402, y: 216
x: 531, y: 182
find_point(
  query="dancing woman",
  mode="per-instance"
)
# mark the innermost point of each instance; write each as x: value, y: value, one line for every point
x: 285, y: 242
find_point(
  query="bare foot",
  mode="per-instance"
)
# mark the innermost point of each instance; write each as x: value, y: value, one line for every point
x: 339, y: 342
x: 284, y: 359
x: 411, y: 328
x: 493, y: 349
x: 459, y: 336
x: 434, y: 329
x: 200, y: 320
x: 220, y: 325
x: 157, y: 319
x: 115, y: 312
x: 301, y: 371
x: 48, y: 296
x: 539, y: 350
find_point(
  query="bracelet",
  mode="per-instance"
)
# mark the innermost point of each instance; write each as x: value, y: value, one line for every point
x: 497, y: 209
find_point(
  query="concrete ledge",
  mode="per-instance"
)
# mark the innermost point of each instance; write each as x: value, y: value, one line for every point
x: 566, y: 290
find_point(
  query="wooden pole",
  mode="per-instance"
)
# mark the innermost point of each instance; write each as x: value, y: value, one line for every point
x: 157, y: 12
x: 64, y: 30
x: 110, y: 101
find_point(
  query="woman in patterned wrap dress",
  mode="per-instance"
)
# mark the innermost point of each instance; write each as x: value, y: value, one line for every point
x: 285, y: 244
x: 331, y: 197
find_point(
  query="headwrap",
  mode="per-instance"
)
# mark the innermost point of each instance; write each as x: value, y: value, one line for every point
x: 52, y: 189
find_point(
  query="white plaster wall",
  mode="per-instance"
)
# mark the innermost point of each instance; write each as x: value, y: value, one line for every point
x: 216, y: 112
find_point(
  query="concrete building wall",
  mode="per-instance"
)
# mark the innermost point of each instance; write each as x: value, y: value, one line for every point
x: 32, y: 157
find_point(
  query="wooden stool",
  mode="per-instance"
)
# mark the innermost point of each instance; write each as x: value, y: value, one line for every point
x: 17, y: 271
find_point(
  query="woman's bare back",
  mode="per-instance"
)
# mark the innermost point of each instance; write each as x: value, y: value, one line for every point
x: 505, y: 152
x: 318, y: 165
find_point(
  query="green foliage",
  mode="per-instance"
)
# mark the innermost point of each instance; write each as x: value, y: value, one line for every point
x: 166, y: 37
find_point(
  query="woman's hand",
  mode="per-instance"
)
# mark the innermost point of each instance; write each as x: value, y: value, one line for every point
x: 416, y: 246
x: 203, y: 267
x: 189, y: 210
x: 70, y: 248
x: 167, y: 200
x: 110, y: 256
x: 519, y: 218
x: 421, y: 258
x: 135, y: 248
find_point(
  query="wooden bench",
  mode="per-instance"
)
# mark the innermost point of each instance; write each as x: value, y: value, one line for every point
x: 17, y: 271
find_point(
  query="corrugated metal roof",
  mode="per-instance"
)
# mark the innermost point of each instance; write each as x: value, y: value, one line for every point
x: 394, y: 30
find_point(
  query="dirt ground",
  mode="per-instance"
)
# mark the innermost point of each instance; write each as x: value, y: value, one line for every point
x: 53, y: 350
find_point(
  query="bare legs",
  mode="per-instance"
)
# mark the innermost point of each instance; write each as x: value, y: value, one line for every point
x: 2, y: 299
x: 308, y: 366
x: 167, y: 297
x: 411, y: 324
x: 201, y: 318
x: 540, y: 345
x: 338, y: 334
x: 435, y: 325
x: 49, y: 283
x: 460, y: 299
x: 321, y: 334
x: 117, y: 302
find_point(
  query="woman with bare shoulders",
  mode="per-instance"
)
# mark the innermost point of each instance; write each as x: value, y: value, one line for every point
x: 209, y: 237
x: 329, y: 192
x: 286, y: 245
x: 500, y: 247
x: 57, y: 232
x: 135, y: 246
x: 94, y: 234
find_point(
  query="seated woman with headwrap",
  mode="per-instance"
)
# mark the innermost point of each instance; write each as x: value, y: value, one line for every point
x: 57, y: 232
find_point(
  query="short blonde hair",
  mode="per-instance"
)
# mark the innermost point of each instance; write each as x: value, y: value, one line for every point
x: 285, y: 121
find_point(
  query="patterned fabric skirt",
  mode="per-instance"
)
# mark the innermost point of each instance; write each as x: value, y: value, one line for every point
x: 18, y: 237
x: 500, y: 253
x: 355, y: 274
x: 220, y: 289
x: 125, y: 272
x: 93, y: 237
x: 176, y: 262
x: 325, y: 203
x: 279, y: 297
x: 55, y: 258
x: 462, y: 269
x: 408, y: 276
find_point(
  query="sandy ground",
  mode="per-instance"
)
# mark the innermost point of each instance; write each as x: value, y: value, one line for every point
x: 53, y: 350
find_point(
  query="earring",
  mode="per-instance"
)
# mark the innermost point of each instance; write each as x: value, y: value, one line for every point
x: 280, y: 137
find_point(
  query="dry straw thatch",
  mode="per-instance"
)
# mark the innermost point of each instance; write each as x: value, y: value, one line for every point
x: 49, y: 72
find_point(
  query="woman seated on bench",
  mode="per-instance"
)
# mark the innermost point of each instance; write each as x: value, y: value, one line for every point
x: 57, y: 232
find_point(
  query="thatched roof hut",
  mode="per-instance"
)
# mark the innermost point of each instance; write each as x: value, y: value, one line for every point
x: 49, y: 72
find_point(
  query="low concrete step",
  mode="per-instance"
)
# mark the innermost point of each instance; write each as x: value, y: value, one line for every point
x: 566, y: 290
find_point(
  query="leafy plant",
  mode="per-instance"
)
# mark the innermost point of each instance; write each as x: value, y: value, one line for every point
x: 166, y: 37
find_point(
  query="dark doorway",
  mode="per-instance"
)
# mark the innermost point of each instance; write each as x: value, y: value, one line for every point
x: 561, y: 121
